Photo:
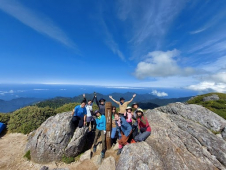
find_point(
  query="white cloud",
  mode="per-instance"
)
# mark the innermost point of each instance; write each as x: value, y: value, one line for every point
x: 162, y: 64
x: 159, y: 94
x: 6, y: 92
x: 198, y: 31
x: 219, y: 77
x: 40, y: 89
x: 123, y: 87
x: 208, y: 87
x: 40, y: 24
x: 147, y: 22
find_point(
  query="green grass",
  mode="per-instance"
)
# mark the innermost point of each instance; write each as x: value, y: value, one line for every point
x: 28, y: 119
x: 67, y: 160
x: 218, y: 107
x: 28, y: 155
x: 4, y: 118
x: 78, y: 157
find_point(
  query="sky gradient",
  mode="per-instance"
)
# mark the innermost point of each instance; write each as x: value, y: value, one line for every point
x: 173, y: 43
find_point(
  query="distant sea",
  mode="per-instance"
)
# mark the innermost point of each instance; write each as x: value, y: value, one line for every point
x: 43, y: 91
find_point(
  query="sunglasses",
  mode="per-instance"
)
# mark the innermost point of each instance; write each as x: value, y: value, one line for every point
x: 113, y: 109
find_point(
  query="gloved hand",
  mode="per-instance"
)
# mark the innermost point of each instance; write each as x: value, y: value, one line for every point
x: 104, y: 131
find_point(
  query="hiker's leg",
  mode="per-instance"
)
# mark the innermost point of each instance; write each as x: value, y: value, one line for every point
x: 75, y: 121
x: 81, y: 122
x: 96, y: 136
x: 87, y: 124
x: 103, y: 140
x: 143, y: 136
x: 113, y: 132
x: 123, y: 140
x: 137, y: 137
x: 92, y: 124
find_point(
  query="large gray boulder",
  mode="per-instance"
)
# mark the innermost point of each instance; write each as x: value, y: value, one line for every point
x: 178, y: 141
x: 213, y: 97
x: 56, y: 137
x: 197, y: 114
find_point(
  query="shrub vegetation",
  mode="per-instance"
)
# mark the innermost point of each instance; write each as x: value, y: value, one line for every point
x: 29, y: 118
x: 218, y: 106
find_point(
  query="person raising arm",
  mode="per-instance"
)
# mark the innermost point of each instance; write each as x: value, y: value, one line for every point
x: 122, y: 104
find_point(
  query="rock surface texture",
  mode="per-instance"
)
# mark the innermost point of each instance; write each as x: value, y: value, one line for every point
x: 213, y: 97
x: 183, y: 138
x: 55, y: 138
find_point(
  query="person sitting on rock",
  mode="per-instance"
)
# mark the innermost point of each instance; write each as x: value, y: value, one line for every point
x: 124, y: 131
x: 144, y: 128
x: 100, y: 130
x: 128, y: 115
x: 79, y: 115
x: 113, y: 129
x: 134, y: 117
x: 101, y: 105
x: 122, y: 104
x: 89, y: 109
x: 136, y: 107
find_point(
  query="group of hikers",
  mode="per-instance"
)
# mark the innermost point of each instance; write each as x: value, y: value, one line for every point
x: 128, y: 126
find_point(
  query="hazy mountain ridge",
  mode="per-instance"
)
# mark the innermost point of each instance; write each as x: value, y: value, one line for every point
x: 147, y: 101
x: 12, y: 105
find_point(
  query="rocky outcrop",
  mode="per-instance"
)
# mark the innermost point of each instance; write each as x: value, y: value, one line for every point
x: 182, y: 138
x: 197, y: 114
x: 56, y: 137
x: 213, y: 97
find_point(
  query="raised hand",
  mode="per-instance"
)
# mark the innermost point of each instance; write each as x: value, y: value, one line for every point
x: 84, y: 95
x: 134, y: 95
x: 110, y: 97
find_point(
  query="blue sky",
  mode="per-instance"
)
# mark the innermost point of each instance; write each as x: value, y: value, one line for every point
x: 173, y: 43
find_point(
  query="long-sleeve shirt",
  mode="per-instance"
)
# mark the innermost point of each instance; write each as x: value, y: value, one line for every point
x: 142, y: 125
x: 101, y: 123
x: 128, y: 116
x: 125, y: 127
x: 89, y: 108
x: 122, y: 107
x: 101, y: 107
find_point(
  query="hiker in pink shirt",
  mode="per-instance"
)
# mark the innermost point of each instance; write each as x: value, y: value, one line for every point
x: 128, y: 115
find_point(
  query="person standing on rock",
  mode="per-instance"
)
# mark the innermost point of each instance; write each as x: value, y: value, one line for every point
x: 144, y: 128
x: 122, y: 104
x: 124, y: 131
x: 101, y: 105
x: 114, y: 128
x: 89, y: 109
x: 79, y: 115
x: 100, y: 130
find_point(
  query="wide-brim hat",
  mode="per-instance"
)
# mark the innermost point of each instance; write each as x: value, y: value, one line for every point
x: 102, y: 100
x: 140, y: 110
x: 129, y: 108
x: 97, y: 111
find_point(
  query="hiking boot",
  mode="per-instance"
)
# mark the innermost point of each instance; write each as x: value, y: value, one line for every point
x: 119, y: 151
x: 94, y: 149
x: 102, y: 154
